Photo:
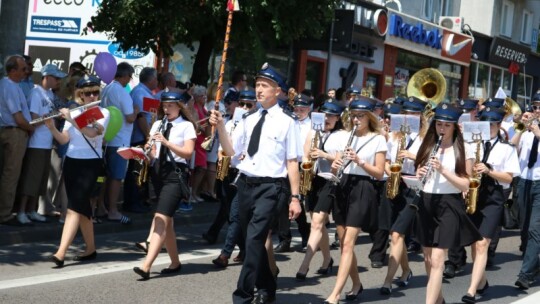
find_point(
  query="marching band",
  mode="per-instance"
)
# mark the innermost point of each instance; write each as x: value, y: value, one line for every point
x: 413, y: 167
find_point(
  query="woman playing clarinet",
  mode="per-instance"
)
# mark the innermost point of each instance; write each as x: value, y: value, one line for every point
x: 441, y: 221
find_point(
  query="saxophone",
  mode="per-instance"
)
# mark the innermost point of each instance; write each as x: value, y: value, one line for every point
x: 142, y: 174
x: 308, y: 167
x: 474, y: 182
x: 392, y: 186
x: 222, y: 169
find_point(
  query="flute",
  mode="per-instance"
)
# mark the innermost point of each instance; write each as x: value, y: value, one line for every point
x: 53, y: 115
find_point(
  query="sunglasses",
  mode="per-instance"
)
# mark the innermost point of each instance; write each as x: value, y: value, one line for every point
x: 357, y: 116
x: 88, y: 94
x: 245, y: 104
x: 535, y: 108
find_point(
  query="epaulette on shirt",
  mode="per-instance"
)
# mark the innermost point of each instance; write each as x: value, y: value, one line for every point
x: 290, y: 114
x: 249, y: 113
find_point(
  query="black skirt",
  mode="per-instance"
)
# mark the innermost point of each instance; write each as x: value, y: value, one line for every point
x: 319, y: 198
x: 441, y: 222
x: 403, y: 213
x: 80, y: 177
x: 489, y: 208
x: 356, y: 203
x: 169, y: 188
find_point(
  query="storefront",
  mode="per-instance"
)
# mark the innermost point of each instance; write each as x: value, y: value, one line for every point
x: 502, y: 63
x: 412, y: 44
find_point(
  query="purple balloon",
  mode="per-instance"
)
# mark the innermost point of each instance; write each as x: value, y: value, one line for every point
x: 105, y: 66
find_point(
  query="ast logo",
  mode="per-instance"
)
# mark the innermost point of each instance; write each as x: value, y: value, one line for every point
x: 43, y: 55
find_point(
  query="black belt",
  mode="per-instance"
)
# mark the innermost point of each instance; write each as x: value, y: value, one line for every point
x: 233, y: 172
x: 10, y: 127
x: 181, y: 166
x: 259, y: 180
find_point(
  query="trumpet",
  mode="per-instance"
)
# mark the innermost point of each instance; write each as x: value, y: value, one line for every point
x: 58, y: 114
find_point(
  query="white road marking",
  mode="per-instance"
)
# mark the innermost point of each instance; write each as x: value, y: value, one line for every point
x: 101, y: 268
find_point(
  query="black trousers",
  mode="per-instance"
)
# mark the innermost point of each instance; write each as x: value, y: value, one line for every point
x: 225, y: 193
x: 379, y: 237
x: 283, y: 224
x: 258, y: 199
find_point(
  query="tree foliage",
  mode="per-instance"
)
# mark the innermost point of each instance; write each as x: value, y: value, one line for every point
x: 260, y: 25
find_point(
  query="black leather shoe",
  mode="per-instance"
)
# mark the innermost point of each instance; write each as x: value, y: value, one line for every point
x: 414, y: 247
x: 468, y: 299
x: 284, y: 246
x: 335, y: 245
x: 483, y: 289
x: 82, y: 258
x: 301, y: 276
x: 328, y: 269
x: 264, y: 299
x: 449, y: 271
x: 376, y: 264
x: 221, y: 261
x: 352, y: 297
x: 171, y: 270
x: 59, y: 263
x: 144, y: 275
x: 385, y: 291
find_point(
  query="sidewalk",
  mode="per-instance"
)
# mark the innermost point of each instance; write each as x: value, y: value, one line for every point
x: 52, y: 230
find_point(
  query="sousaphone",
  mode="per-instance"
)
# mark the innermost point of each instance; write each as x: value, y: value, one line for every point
x: 429, y: 85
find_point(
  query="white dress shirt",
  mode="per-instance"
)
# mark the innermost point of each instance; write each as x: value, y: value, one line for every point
x: 525, y: 146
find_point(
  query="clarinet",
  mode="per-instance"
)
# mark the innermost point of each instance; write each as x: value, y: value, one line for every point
x: 339, y: 173
x: 427, y: 176
x: 159, y: 130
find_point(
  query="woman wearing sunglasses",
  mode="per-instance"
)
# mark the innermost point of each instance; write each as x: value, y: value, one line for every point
x: 355, y: 207
x: 82, y: 166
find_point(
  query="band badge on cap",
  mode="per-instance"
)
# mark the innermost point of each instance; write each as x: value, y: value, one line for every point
x: 488, y: 109
x: 264, y: 66
x: 462, y: 102
x: 444, y: 106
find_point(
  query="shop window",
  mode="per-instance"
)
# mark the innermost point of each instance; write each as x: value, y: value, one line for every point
x: 428, y: 9
x: 495, y: 81
x: 473, y: 68
x: 481, y: 90
x: 524, y: 83
x: 372, y: 84
x: 447, y: 7
x: 507, y: 82
x: 314, y: 70
x: 507, y: 17
x: 526, y: 27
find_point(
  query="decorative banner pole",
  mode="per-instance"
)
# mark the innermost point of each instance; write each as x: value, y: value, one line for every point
x: 232, y: 5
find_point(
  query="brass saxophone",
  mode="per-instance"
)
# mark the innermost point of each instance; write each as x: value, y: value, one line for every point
x: 142, y: 174
x: 474, y: 181
x: 308, y: 167
x: 392, y: 186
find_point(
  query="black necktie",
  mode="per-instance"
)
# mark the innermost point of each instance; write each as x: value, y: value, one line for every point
x: 256, y: 135
x: 163, y: 151
x: 533, y: 156
x: 487, y: 150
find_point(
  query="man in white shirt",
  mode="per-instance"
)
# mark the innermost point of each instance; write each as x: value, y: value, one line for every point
x: 115, y: 94
x: 36, y: 163
x: 267, y: 139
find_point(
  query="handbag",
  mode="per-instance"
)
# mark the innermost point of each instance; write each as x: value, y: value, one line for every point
x: 509, y: 217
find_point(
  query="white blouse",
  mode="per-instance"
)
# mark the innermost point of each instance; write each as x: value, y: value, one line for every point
x: 182, y: 130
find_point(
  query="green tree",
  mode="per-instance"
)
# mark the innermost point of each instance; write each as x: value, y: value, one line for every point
x: 260, y: 25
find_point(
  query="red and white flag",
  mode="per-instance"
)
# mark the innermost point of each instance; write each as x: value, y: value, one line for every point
x: 233, y: 5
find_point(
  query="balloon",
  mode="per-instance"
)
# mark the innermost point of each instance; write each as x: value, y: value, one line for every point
x: 105, y: 66
x: 115, y: 123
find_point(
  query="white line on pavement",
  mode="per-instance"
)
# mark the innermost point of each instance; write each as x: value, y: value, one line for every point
x: 100, y: 268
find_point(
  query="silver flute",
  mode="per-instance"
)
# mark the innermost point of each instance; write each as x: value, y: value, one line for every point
x: 57, y: 114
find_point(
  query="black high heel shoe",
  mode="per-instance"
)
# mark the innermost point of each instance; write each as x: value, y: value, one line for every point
x: 81, y: 258
x: 328, y: 269
x: 301, y: 276
x: 483, y: 289
x: 59, y: 263
x: 144, y: 275
x: 401, y: 283
x: 351, y: 297
x: 171, y: 270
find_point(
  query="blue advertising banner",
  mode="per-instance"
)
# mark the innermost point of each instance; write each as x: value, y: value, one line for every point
x: 48, y: 24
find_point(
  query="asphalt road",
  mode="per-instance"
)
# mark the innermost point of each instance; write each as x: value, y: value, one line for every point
x: 26, y: 276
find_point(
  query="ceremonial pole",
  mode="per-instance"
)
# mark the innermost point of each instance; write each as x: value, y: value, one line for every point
x: 231, y: 7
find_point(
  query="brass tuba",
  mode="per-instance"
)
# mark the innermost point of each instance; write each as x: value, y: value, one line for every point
x: 474, y: 182
x: 222, y: 169
x: 429, y: 85
x: 392, y: 186
x: 308, y: 167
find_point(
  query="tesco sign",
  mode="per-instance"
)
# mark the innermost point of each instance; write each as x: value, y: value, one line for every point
x: 415, y: 33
